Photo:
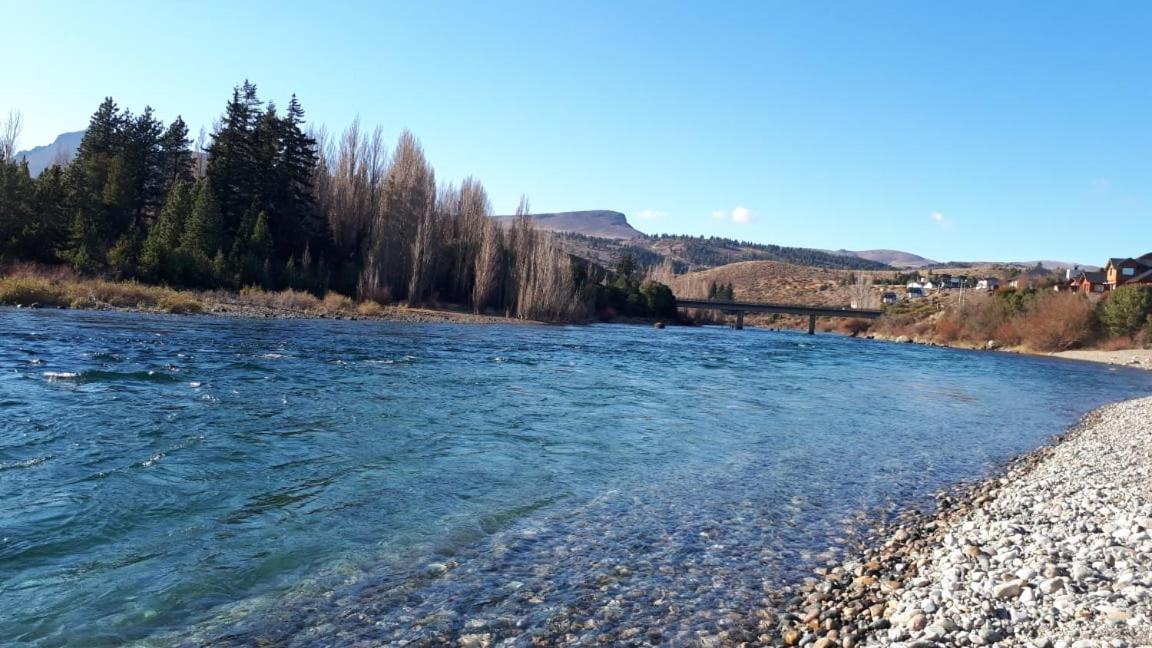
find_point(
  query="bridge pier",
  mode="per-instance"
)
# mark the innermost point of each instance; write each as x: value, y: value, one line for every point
x: 740, y: 309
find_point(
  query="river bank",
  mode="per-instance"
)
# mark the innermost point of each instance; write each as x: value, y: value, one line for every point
x: 1140, y: 358
x: 1055, y: 551
x: 96, y: 294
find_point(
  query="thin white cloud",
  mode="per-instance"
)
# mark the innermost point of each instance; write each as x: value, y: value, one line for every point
x: 941, y: 220
x: 651, y: 215
x: 738, y: 214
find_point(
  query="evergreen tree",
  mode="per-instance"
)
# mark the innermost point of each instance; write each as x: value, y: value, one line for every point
x: 201, y: 238
x: 175, y: 158
x: 232, y: 169
x: 142, y: 161
x: 298, y: 159
x: 158, y: 261
x: 17, y: 202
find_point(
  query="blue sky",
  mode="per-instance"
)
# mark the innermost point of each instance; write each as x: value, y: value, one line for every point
x: 973, y: 130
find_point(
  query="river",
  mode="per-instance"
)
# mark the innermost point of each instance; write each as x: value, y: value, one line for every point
x: 199, y: 479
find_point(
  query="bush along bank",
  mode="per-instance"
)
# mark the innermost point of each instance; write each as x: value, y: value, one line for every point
x: 1030, y: 320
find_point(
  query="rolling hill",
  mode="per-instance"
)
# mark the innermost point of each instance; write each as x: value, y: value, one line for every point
x: 894, y: 258
x: 600, y: 223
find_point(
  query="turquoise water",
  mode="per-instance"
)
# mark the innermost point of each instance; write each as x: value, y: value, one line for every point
x: 203, y: 479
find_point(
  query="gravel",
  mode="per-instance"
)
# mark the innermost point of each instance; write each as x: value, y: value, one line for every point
x: 1056, y: 552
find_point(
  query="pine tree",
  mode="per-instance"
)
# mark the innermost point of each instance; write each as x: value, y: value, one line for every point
x: 231, y: 168
x: 175, y: 158
x: 17, y: 201
x: 158, y: 259
x: 298, y: 159
x: 142, y: 163
x: 201, y: 238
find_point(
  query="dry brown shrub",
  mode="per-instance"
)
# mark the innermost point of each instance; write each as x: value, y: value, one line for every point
x: 1120, y: 343
x: 948, y: 330
x: 31, y: 290
x: 1006, y: 333
x: 855, y: 326
x: 369, y: 308
x: 293, y: 300
x: 1057, y: 322
x: 335, y: 303
x: 296, y: 300
x: 980, y: 320
x: 122, y: 294
x: 179, y: 304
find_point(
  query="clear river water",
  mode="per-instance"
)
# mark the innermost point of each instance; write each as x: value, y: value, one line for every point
x: 191, y: 480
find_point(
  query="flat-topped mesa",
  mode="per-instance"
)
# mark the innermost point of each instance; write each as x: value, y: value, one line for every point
x: 601, y: 223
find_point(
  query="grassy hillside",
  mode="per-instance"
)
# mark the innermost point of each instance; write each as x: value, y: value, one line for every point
x: 687, y: 253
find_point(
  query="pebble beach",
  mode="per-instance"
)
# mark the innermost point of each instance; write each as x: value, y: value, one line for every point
x: 1055, y: 552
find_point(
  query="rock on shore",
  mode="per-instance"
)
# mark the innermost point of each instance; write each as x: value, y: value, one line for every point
x: 1057, y: 552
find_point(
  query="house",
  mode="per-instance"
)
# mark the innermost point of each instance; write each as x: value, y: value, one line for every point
x: 1033, y: 277
x: 1089, y: 282
x: 1121, y: 272
x: 1023, y: 282
x: 988, y: 283
x: 915, y: 292
x: 889, y: 298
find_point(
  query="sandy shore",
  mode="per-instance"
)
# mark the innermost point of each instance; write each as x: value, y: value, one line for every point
x: 1054, y: 552
x: 1131, y: 357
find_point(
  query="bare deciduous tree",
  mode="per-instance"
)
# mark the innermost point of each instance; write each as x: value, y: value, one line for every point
x: 10, y: 135
x: 860, y: 291
x: 487, y: 264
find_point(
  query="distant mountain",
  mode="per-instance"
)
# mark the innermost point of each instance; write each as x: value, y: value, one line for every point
x: 894, y: 258
x: 1022, y: 265
x: 1061, y: 265
x: 599, y: 223
x: 42, y: 157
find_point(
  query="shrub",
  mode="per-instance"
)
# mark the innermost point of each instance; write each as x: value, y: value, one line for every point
x: 1057, y: 322
x: 369, y: 308
x: 1117, y: 343
x: 296, y: 300
x: 28, y: 290
x: 855, y: 326
x: 179, y: 304
x: 334, y: 302
x: 120, y: 294
x: 1125, y: 311
x: 293, y: 300
x: 659, y: 299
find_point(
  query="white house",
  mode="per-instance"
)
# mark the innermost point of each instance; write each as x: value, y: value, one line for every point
x: 989, y: 284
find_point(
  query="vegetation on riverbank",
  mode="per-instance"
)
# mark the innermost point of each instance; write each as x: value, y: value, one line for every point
x: 263, y: 201
x: 623, y: 298
x: 1034, y: 320
x: 32, y: 287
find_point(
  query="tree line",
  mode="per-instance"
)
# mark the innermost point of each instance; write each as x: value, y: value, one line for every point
x: 267, y: 202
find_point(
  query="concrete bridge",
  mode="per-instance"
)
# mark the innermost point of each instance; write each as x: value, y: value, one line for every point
x: 740, y: 308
